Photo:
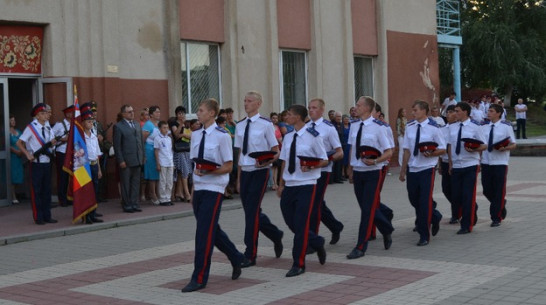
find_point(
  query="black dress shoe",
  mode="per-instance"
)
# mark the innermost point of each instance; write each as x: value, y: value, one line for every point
x: 387, y: 241
x: 95, y: 219
x: 236, y: 273
x: 422, y: 242
x: 463, y: 231
x: 495, y: 223
x: 415, y: 229
x: 247, y: 263
x: 129, y: 210
x: 137, y: 209
x: 321, y: 253
x: 51, y: 220
x: 503, y: 212
x: 88, y: 220
x: 435, y: 228
x: 295, y: 271
x: 193, y: 286
x: 167, y: 203
x: 355, y: 254
x: 39, y: 222
x: 335, y: 238
x: 453, y: 221
x: 475, y: 219
x: 98, y: 214
x: 278, y: 247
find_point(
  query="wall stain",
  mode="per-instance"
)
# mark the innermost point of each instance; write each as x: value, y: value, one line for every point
x: 149, y: 37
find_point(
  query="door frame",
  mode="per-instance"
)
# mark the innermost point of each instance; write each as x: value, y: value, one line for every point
x: 56, y: 80
x: 6, y: 154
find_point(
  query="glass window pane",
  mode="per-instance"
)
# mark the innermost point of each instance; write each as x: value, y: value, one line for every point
x: 363, y: 76
x: 294, y: 80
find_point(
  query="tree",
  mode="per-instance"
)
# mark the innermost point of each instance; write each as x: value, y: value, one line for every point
x: 504, y: 45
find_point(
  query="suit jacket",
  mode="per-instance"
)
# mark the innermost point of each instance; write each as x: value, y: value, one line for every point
x: 128, y: 143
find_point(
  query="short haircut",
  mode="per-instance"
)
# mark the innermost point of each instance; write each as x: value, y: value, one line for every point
x: 272, y: 114
x: 321, y: 103
x: 450, y: 108
x: 179, y: 109
x: 161, y: 124
x: 377, y: 107
x: 229, y: 110
x: 299, y: 110
x: 257, y: 96
x: 211, y: 104
x: 220, y: 120
x: 422, y: 105
x: 368, y: 102
x: 153, y: 109
x: 497, y: 108
x: 124, y: 107
x: 221, y: 111
x: 464, y: 107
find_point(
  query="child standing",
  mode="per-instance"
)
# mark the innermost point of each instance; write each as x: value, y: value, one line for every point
x: 164, y: 163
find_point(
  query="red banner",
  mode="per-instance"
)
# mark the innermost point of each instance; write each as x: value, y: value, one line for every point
x: 21, y: 49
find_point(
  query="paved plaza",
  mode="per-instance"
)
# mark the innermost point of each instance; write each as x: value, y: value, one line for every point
x: 149, y: 261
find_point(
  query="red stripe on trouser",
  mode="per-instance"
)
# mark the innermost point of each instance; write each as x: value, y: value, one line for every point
x: 375, y: 205
x: 32, y: 195
x: 209, y: 240
x: 384, y: 170
x: 430, y: 206
x: 473, y: 205
x: 306, y: 232
x: 503, y: 200
x: 257, y: 219
x: 319, y: 207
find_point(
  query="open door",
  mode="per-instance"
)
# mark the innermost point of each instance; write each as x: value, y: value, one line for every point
x: 57, y: 93
x: 5, y: 174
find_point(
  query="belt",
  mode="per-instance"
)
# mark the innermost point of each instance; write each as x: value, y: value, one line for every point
x: 93, y: 162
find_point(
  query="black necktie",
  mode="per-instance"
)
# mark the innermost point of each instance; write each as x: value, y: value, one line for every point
x: 245, y: 138
x: 358, y: 136
x: 132, y: 124
x: 490, y: 143
x: 313, y: 125
x: 417, y: 139
x: 202, y: 146
x: 43, y: 133
x: 458, y: 147
x: 292, y: 157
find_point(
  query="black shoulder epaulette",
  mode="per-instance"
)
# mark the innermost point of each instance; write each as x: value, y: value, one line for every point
x: 506, y: 122
x: 432, y: 122
x: 328, y: 123
x: 385, y: 124
x: 486, y: 121
x: 264, y: 118
x: 378, y: 122
x: 475, y: 122
x: 241, y: 120
x: 354, y: 120
x: 221, y: 129
x: 312, y: 131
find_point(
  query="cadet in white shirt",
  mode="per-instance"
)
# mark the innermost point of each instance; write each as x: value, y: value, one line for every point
x: 38, y: 135
x: 61, y: 129
x: 163, y: 151
x: 93, y: 153
x: 521, y: 118
x: 444, y: 167
x: 500, y: 138
x: 297, y: 188
x: 464, y: 165
x: 332, y: 145
x: 211, y: 143
x: 255, y: 134
x: 365, y: 173
x: 420, y: 167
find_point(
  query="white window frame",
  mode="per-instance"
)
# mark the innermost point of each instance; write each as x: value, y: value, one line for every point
x: 281, y: 80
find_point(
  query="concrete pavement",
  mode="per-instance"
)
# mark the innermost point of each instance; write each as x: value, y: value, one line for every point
x: 148, y: 263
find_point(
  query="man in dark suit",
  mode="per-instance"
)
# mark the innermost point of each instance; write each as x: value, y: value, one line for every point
x: 130, y: 157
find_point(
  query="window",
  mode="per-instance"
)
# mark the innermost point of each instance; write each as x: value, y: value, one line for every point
x: 363, y: 76
x: 200, y: 74
x: 293, y: 78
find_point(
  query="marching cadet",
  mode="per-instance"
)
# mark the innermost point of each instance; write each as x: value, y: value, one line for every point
x: 444, y: 167
x: 423, y: 144
x: 211, y: 150
x: 367, y: 136
x: 36, y: 139
x: 500, y: 140
x: 332, y: 145
x: 255, y: 134
x: 463, y: 150
x: 61, y: 129
x: 93, y: 154
x: 297, y: 188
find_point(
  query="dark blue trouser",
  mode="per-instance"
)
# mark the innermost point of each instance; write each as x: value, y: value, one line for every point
x: 494, y: 188
x: 383, y: 214
x: 296, y: 206
x: 520, y: 123
x: 253, y: 185
x: 206, y: 209
x: 320, y: 211
x: 62, y: 179
x: 40, y: 174
x: 366, y: 186
x: 463, y: 187
x: 420, y: 186
x: 446, y: 189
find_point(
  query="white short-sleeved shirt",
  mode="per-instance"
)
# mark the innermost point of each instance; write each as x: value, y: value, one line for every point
x: 92, y: 144
x: 477, y: 115
x: 390, y: 137
x: 261, y: 137
x: 430, y: 132
x: 502, y: 130
x: 218, y: 150
x: 164, y: 145
x: 471, y: 129
x: 521, y: 115
x: 439, y: 120
x: 445, y: 133
x: 32, y: 143
x: 447, y: 102
x: 373, y: 134
x: 58, y: 130
x: 330, y: 137
x: 309, y: 144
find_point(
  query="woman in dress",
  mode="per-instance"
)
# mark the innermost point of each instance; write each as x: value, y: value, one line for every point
x: 401, y: 122
x: 182, y: 162
x: 149, y: 132
x: 16, y: 157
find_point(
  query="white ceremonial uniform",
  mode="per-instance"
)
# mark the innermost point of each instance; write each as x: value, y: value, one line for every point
x: 218, y: 150
x: 307, y: 145
x: 430, y: 132
x: 93, y: 150
x: 390, y: 138
x: 58, y: 130
x: 261, y: 137
x: 165, y: 154
x: 445, y: 134
x: 374, y: 135
x: 471, y: 129
x: 329, y: 136
x: 502, y: 130
x: 31, y: 142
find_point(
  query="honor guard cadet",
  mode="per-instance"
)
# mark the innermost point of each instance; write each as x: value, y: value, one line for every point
x: 500, y: 139
x: 444, y: 167
x: 332, y: 145
x: 297, y: 188
x: 210, y: 144
x: 464, y: 164
x: 365, y: 173
x: 93, y: 153
x: 61, y: 129
x: 255, y: 134
x: 423, y: 144
x: 35, y: 143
